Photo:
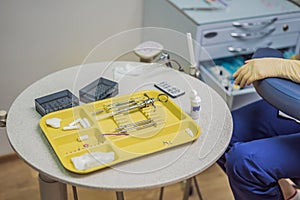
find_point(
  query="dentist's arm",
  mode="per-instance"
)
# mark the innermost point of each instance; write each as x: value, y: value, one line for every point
x: 261, y: 68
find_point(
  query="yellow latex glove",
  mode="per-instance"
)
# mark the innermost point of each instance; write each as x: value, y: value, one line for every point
x: 261, y: 68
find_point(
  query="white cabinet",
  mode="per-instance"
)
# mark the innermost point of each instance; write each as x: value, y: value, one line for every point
x: 233, y: 31
x: 226, y: 39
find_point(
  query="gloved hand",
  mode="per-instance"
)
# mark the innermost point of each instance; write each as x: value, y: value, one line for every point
x: 261, y: 68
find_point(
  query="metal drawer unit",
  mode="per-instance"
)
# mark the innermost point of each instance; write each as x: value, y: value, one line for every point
x: 244, y: 36
x: 235, y: 31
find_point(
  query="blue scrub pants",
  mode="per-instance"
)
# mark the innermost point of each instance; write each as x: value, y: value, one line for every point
x: 264, y: 148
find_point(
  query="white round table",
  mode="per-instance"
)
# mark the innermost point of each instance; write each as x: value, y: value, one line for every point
x: 155, y: 170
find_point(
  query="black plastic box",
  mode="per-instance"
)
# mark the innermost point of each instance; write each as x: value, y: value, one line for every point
x: 56, y: 101
x: 97, y: 90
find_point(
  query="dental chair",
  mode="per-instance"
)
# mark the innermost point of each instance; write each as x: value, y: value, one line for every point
x: 281, y: 93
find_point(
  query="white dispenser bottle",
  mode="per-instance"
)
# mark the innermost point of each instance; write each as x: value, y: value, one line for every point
x: 195, y: 105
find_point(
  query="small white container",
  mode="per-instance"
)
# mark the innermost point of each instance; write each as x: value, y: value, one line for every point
x: 195, y: 105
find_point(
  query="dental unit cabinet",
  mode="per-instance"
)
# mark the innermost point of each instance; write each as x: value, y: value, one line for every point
x: 228, y: 34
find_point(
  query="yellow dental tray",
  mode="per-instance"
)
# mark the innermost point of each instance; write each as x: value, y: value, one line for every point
x: 119, y: 129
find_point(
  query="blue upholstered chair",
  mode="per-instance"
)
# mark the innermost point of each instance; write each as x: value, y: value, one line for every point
x: 281, y: 93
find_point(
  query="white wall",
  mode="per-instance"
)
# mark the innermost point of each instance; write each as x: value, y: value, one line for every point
x: 40, y: 37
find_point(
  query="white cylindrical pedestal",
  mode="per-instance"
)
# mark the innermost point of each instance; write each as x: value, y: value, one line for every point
x: 51, y: 189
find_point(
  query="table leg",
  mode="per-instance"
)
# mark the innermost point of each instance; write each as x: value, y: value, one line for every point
x: 161, y: 195
x: 188, y: 185
x: 51, y: 189
x: 197, y: 188
x: 120, y: 195
x: 75, y: 195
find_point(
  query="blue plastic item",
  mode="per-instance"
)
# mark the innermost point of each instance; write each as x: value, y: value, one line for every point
x: 231, y: 64
x: 281, y: 93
